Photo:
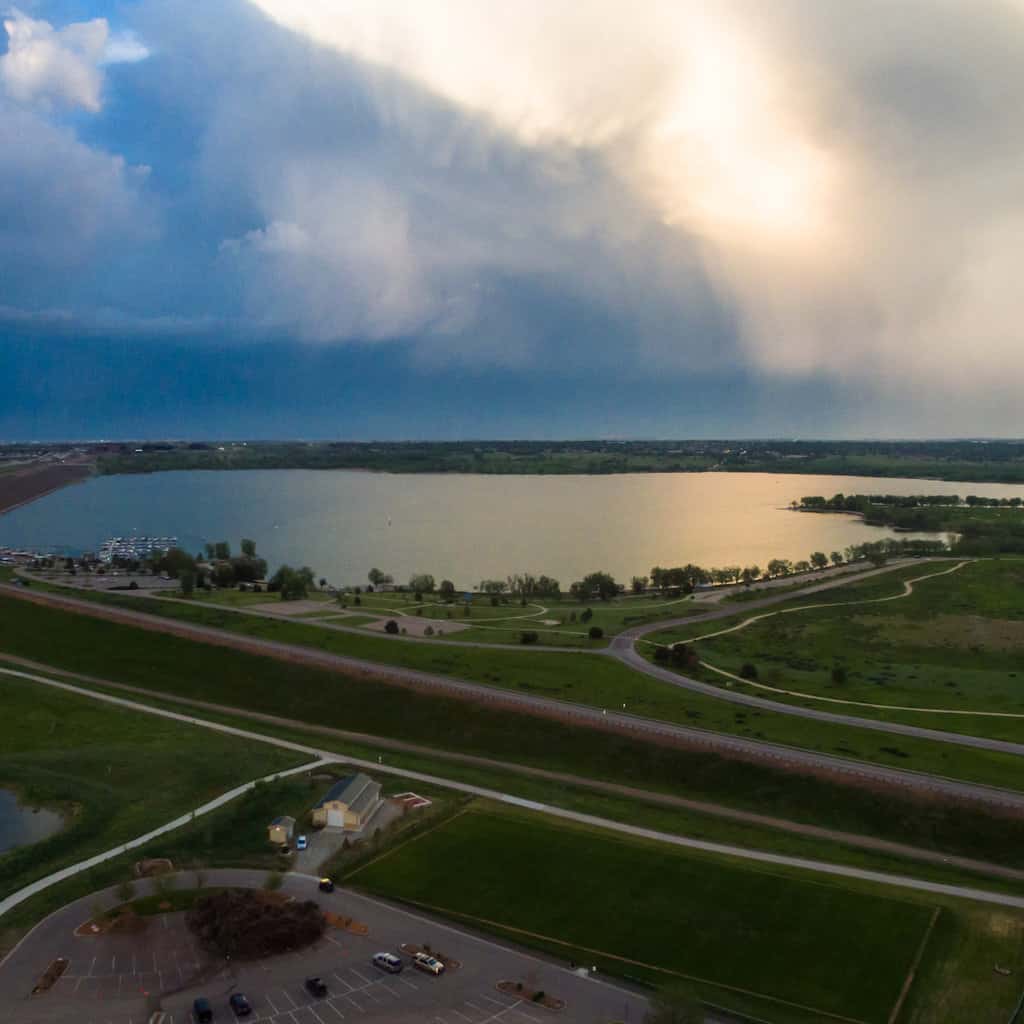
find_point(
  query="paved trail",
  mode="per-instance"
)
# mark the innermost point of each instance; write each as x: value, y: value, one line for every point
x: 319, y: 756
x: 648, y: 796
x: 635, y: 726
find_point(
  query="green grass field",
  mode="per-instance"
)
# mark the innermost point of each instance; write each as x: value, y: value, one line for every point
x: 818, y: 946
x: 954, y: 644
x: 116, y: 773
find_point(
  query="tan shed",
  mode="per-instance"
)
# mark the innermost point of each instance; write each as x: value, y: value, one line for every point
x: 281, y: 829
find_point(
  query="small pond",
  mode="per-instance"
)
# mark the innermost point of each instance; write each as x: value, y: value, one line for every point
x: 20, y: 825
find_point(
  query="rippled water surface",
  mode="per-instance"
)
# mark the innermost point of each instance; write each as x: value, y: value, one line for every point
x: 466, y: 528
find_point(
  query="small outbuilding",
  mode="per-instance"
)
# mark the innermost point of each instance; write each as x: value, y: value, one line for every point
x: 349, y: 803
x: 281, y: 829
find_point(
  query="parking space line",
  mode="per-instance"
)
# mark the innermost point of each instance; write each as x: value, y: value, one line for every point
x: 284, y: 992
x: 365, y: 981
x: 338, y: 977
x: 312, y: 1010
x: 523, y: 1013
x: 327, y: 1002
x: 272, y: 1006
x: 361, y: 1009
x: 462, y: 1015
x: 415, y: 988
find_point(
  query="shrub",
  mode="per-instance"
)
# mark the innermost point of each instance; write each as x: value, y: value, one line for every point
x: 528, y: 637
x: 749, y: 670
x: 391, y: 627
x: 428, y: 631
x: 662, y: 653
x: 538, y: 996
x: 595, y: 633
x: 244, y: 926
x: 839, y: 675
x: 684, y: 656
x: 586, y: 615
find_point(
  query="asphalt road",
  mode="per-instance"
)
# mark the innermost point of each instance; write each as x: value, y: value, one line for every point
x: 673, y: 800
x: 357, y: 991
x: 723, y: 849
x: 610, y: 720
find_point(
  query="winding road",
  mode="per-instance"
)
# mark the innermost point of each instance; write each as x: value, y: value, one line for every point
x: 635, y: 726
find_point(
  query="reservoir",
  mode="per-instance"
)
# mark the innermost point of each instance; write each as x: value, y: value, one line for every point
x: 467, y: 528
x: 20, y: 826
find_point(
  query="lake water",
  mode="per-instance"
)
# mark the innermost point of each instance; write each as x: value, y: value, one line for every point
x: 462, y: 527
x: 20, y: 826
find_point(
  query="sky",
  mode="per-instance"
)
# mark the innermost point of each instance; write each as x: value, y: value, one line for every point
x: 397, y: 219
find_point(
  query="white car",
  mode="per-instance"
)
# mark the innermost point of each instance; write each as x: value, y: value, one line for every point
x: 428, y: 963
x: 301, y: 843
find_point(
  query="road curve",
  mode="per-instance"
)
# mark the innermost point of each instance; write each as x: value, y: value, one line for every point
x: 644, y: 729
x: 704, y: 846
x: 623, y: 650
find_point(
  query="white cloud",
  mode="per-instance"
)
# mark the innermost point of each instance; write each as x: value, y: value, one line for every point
x: 62, y: 66
x: 850, y: 179
x: 53, y: 66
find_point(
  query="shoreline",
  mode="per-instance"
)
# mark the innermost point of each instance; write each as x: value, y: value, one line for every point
x: 22, y: 487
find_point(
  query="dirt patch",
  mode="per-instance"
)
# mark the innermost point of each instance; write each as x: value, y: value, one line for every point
x: 346, y: 924
x: 538, y: 997
x: 154, y: 866
x: 120, y: 921
x: 24, y: 485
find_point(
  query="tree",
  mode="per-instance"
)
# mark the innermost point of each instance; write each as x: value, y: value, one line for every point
x: 248, y: 547
x: 421, y: 583
x: 837, y: 557
x: 675, y: 1004
x: 447, y: 590
x: 323, y: 582
x: 601, y: 584
x: 528, y: 637
x: 639, y: 584
x: 391, y: 627
x: 780, y: 567
x: 802, y: 566
x: 375, y: 576
x: 222, y: 550
x: 174, y: 562
x: 819, y: 559
x: 748, y: 671
x: 586, y: 615
x: 211, y: 552
x: 750, y: 573
x: 293, y: 584
x: 838, y: 675
x: 188, y: 583
x: 596, y: 633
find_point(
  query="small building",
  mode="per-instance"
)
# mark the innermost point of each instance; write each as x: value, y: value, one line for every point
x: 281, y: 829
x: 349, y: 803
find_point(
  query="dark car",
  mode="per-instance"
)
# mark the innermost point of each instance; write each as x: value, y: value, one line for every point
x: 316, y: 987
x: 326, y: 885
x: 240, y: 1004
x: 202, y: 1011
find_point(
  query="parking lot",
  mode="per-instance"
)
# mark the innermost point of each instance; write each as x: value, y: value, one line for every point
x: 122, y: 979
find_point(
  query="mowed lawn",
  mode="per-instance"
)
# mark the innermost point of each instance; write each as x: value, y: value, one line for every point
x: 115, y: 773
x: 823, y: 947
